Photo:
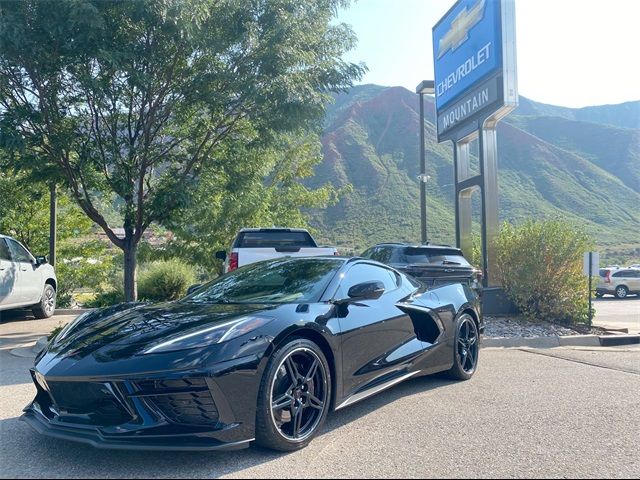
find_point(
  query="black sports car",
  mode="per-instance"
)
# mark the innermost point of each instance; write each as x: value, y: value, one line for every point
x: 263, y: 353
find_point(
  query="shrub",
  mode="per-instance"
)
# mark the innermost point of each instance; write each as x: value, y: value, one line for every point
x: 165, y: 280
x: 105, y: 299
x: 82, y: 266
x: 540, y: 265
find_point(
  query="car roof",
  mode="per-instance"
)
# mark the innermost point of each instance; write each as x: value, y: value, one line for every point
x: 416, y: 245
x: 273, y: 229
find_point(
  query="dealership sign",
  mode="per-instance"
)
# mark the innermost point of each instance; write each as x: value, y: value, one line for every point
x: 475, y: 65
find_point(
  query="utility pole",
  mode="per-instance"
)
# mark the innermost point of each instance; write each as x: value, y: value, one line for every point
x: 53, y: 206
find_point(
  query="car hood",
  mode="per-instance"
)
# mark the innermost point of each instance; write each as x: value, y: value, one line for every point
x: 146, y: 324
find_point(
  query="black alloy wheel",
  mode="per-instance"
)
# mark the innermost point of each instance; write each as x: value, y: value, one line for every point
x: 294, y: 397
x: 466, y: 349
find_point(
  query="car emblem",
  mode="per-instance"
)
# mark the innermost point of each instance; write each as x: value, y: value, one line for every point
x: 460, y: 26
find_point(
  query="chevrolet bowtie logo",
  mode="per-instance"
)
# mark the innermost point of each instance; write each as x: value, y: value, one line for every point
x: 460, y: 27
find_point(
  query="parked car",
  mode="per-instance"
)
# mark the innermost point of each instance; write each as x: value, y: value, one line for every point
x: 262, y: 353
x: 618, y: 282
x: 257, y: 244
x: 433, y: 265
x: 25, y: 281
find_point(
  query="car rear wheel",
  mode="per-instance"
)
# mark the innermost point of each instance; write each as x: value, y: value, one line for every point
x: 466, y: 349
x: 621, y: 291
x: 47, y: 304
x: 294, y: 397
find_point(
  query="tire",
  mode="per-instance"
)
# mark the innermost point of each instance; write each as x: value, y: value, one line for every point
x: 467, y: 339
x: 47, y: 304
x: 599, y: 295
x: 621, y: 291
x: 291, y: 413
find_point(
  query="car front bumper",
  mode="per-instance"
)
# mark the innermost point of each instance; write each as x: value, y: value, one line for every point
x: 194, y: 410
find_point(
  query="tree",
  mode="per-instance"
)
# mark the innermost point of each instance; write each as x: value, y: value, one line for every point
x: 24, y: 213
x: 134, y: 98
x: 265, y: 189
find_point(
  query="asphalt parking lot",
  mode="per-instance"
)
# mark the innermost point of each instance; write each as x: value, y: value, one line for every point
x: 612, y: 312
x: 537, y: 413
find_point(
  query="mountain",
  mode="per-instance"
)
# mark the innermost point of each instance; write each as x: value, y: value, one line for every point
x: 625, y: 115
x: 552, y: 161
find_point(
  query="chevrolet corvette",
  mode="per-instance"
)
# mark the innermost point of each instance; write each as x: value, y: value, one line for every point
x: 261, y: 354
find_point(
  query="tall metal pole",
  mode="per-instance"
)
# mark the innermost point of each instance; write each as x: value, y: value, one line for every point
x: 590, y: 275
x: 423, y: 172
x: 53, y: 203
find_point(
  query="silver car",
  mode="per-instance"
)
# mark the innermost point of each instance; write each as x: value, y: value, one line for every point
x: 25, y: 281
x: 618, y: 282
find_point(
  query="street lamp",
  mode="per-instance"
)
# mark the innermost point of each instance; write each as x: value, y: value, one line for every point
x: 425, y: 87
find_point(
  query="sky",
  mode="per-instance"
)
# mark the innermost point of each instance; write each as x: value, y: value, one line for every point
x: 573, y: 53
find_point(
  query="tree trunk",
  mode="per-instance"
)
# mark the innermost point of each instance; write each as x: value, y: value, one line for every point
x: 130, y: 270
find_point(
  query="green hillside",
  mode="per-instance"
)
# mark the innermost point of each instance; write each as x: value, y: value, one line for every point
x: 624, y: 115
x: 548, y: 166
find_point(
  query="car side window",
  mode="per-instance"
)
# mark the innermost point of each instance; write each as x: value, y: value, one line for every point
x: 621, y: 274
x: 18, y: 253
x: 368, y: 253
x: 365, y: 272
x: 4, y: 250
x: 382, y: 255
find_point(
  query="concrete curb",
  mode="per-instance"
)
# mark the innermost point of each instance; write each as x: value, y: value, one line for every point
x: 557, y: 341
x: 72, y: 311
x: 30, y: 351
x: 615, y: 340
x: 40, y: 344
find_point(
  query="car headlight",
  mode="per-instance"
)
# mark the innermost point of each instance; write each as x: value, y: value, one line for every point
x: 212, y: 335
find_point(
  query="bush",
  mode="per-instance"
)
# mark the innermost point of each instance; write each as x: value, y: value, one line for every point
x: 165, y: 280
x: 105, y: 299
x: 540, y: 264
x: 82, y: 266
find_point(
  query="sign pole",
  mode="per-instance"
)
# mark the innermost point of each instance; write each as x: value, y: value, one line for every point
x: 590, y: 275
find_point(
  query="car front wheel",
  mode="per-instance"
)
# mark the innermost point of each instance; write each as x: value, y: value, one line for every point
x: 47, y: 304
x: 294, y: 397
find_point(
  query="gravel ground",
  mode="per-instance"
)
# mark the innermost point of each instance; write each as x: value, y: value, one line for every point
x: 509, y: 327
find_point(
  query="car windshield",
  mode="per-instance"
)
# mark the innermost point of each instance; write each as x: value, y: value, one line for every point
x: 439, y: 256
x: 274, y: 239
x: 287, y: 280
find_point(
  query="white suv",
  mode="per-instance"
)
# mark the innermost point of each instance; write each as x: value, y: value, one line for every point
x: 620, y: 282
x: 25, y: 280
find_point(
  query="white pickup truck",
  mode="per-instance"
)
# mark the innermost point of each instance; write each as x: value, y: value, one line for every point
x: 256, y: 244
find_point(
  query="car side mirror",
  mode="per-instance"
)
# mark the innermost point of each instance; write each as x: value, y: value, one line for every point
x: 221, y: 255
x: 366, y: 290
x: 40, y: 260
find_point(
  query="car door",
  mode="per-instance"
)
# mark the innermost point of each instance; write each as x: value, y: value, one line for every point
x: 378, y: 339
x: 29, y: 278
x: 9, y: 294
x: 634, y: 280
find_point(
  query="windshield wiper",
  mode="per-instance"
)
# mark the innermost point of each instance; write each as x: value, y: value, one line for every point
x: 450, y: 262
